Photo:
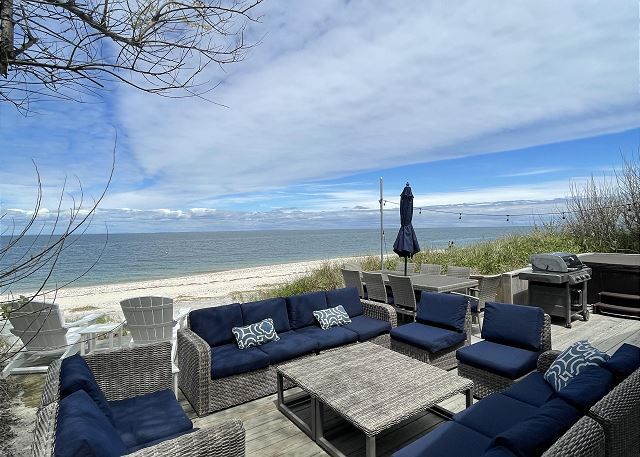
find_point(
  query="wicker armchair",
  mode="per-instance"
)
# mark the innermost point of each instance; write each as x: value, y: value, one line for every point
x: 618, y: 413
x: 485, y: 382
x: 208, y: 395
x: 127, y: 373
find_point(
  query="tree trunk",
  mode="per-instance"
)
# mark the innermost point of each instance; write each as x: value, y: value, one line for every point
x: 6, y: 35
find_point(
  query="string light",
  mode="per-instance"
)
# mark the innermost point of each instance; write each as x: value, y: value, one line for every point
x: 563, y: 216
x: 459, y: 215
x: 507, y: 218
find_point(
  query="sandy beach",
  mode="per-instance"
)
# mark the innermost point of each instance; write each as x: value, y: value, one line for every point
x: 196, y: 291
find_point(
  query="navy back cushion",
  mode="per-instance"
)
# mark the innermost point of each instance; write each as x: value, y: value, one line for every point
x: 274, y: 308
x: 624, y: 361
x: 301, y: 308
x: 82, y: 429
x: 348, y: 298
x: 514, y: 325
x: 586, y: 388
x: 214, y: 324
x: 442, y: 310
x: 537, y: 433
x: 76, y: 375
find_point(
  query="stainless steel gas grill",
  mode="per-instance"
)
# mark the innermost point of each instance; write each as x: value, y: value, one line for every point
x: 558, y: 284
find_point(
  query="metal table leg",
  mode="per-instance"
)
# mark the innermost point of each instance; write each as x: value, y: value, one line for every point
x: 469, y: 397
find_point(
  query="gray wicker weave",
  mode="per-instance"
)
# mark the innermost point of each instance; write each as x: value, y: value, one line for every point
x: 485, y: 383
x: 208, y: 395
x: 376, y: 289
x: 445, y: 359
x: 431, y: 269
x: 404, y: 297
x: 585, y: 439
x: 458, y: 272
x: 352, y: 278
x: 127, y: 373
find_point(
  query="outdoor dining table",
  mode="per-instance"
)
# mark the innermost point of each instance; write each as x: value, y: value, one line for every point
x: 432, y: 283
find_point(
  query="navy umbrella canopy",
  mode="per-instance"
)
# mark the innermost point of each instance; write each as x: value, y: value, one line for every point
x: 406, y: 244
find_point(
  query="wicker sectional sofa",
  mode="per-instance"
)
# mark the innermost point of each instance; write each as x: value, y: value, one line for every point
x: 599, y: 416
x: 137, y: 384
x: 215, y: 374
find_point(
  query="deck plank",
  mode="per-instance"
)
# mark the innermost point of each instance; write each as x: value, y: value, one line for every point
x: 271, y: 434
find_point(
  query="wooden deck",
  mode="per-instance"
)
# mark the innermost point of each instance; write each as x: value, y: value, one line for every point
x: 269, y: 433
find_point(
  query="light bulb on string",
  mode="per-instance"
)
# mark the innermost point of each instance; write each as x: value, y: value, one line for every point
x: 563, y: 216
x: 507, y: 218
x: 459, y: 215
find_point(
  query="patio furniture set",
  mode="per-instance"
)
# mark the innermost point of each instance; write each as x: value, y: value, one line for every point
x: 369, y: 371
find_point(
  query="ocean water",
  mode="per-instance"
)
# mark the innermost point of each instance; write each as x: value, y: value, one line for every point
x: 142, y: 256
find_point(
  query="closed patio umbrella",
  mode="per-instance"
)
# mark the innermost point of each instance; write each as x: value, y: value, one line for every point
x: 406, y: 244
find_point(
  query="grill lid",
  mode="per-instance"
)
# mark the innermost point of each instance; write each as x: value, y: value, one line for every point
x: 558, y: 262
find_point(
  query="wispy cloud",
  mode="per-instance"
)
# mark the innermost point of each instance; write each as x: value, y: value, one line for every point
x: 539, y: 171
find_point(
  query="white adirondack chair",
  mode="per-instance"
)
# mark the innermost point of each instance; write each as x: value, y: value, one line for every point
x: 44, y: 335
x: 151, y: 319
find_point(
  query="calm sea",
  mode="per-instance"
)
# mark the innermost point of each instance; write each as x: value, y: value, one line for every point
x: 136, y: 256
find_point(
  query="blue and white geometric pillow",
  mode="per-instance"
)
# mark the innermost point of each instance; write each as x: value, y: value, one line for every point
x: 331, y: 317
x: 255, y: 334
x: 572, y: 361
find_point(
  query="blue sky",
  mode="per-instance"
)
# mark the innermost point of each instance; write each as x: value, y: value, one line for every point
x: 498, y: 106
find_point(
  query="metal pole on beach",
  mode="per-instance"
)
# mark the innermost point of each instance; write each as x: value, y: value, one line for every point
x: 381, y: 228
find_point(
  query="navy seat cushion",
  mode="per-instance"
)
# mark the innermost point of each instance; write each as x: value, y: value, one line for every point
x: 508, y: 361
x: 433, y: 339
x: 274, y: 308
x: 447, y: 440
x: 301, y: 308
x: 442, y: 310
x: 515, y: 325
x: 348, y: 298
x: 536, y: 434
x: 75, y: 375
x: 624, y: 361
x: 289, y: 346
x: 368, y: 327
x: 148, y: 418
x: 214, y: 324
x: 82, y: 429
x: 494, y: 414
x: 587, y: 388
x: 329, y: 338
x: 532, y: 389
x: 228, y: 360
x: 498, y: 451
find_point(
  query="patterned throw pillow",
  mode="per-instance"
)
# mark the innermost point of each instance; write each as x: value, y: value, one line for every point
x: 255, y: 334
x: 331, y: 317
x: 572, y: 361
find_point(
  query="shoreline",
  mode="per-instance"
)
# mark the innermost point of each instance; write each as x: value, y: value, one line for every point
x: 196, y: 290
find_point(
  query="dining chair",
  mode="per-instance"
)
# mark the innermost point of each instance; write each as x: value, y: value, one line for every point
x: 376, y: 289
x: 486, y: 291
x: 411, y: 267
x: 404, y: 298
x: 431, y: 269
x: 458, y: 272
x: 352, y: 279
x: 352, y: 266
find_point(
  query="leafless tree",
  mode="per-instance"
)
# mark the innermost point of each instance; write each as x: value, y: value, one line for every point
x: 62, y: 49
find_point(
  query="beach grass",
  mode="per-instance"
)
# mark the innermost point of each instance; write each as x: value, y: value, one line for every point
x: 488, y: 257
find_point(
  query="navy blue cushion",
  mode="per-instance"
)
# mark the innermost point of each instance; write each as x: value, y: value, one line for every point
x: 75, y: 374
x: 214, y: 324
x: 624, y: 361
x: 368, y: 327
x: 532, y: 389
x: 148, y: 418
x: 508, y: 361
x: 442, y: 310
x: 515, y: 325
x: 301, y: 308
x: 290, y: 345
x: 274, y: 308
x: 498, y: 451
x: 447, y: 440
x: 587, y: 388
x: 433, y: 339
x: 533, y: 436
x: 348, y: 298
x: 495, y: 414
x: 82, y: 429
x: 329, y: 338
x: 228, y: 360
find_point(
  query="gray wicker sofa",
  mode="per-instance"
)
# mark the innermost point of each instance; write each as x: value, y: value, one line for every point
x: 215, y: 374
x: 592, y: 419
x: 128, y: 377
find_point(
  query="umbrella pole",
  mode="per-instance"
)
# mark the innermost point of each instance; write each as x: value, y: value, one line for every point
x: 405, y: 266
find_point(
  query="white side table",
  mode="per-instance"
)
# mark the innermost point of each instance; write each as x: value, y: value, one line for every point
x: 88, y: 335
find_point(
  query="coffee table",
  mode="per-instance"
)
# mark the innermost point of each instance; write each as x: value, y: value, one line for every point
x: 372, y: 387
